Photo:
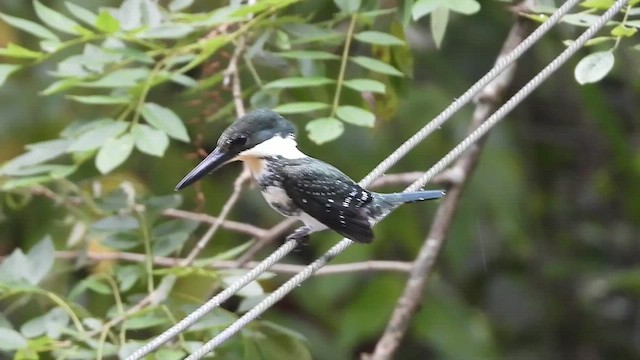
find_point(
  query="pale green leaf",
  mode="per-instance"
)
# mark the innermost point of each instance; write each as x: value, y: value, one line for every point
x: 149, y: 140
x: 60, y: 85
x: 439, y: 20
x: 167, y: 31
x: 356, y: 116
x: 113, y: 153
x: 309, y: 54
x: 41, y: 257
x: 96, y: 134
x: 295, y: 82
x: 300, y: 107
x: 17, y: 51
x: 324, y: 129
x: 106, y: 22
x: 81, y: 13
x: 30, y: 27
x: 378, y: 38
x: 6, y: 70
x: 100, y: 99
x: 348, y: 6
x: 176, y: 5
x: 466, y: 7
x: 166, y: 120
x: 362, y: 85
x: 11, y: 340
x: 376, y: 65
x: 57, y: 21
x: 593, y: 67
x: 120, y: 78
x: 422, y: 8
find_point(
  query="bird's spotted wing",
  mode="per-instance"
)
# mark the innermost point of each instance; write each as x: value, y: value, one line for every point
x: 332, y: 198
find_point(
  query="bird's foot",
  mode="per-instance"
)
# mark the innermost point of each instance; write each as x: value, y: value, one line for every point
x: 301, y: 235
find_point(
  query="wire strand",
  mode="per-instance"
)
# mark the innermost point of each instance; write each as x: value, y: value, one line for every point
x: 436, y: 168
x: 385, y: 165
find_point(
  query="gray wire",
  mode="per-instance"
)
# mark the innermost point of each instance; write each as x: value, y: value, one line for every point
x: 436, y: 168
x: 387, y: 163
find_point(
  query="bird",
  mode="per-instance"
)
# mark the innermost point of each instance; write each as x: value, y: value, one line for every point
x: 297, y: 185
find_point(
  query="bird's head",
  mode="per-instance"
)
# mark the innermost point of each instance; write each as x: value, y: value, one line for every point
x: 257, y: 134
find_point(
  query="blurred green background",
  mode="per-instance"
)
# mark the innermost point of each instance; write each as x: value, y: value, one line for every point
x: 542, y: 258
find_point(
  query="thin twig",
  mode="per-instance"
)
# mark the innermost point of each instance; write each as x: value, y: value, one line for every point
x: 355, y: 267
x: 487, y: 101
x: 237, y: 189
x: 273, y: 234
x: 240, y: 227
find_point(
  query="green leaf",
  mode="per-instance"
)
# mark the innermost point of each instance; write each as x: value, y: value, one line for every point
x: 96, y: 134
x: 81, y: 13
x: 176, y: 5
x: 113, y: 153
x: 11, y: 340
x: 593, y: 67
x: 145, y: 321
x: 597, y: 4
x: 623, y: 31
x: 378, y: 38
x: 362, y: 85
x: 439, y: 20
x: 166, y: 120
x: 422, y: 8
x: 58, y: 21
x: 116, y: 223
x: 376, y: 65
x: 6, y: 70
x: 308, y: 54
x: 100, y: 99
x: 296, y: 82
x: 30, y: 27
x: 300, y: 107
x: 106, y: 22
x: 356, y: 116
x: 41, y: 257
x: 120, y: 78
x: 167, y: 31
x: 348, y: 6
x: 61, y: 85
x: 324, y: 129
x: 17, y: 51
x: 466, y: 7
x: 149, y: 140
x: 38, y: 153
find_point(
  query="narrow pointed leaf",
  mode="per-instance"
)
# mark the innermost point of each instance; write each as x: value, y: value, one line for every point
x: 17, y: 51
x: 365, y: 85
x: 57, y: 21
x: 81, y: 13
x: 309, y: 54
x: 30, y: 27
x: 378, y: 38
x: 422, y: 8
x: 100, y: 99
x: 376, y: 65
x: 439, y: 20
x: 296, y: 82
x: 300, y: 107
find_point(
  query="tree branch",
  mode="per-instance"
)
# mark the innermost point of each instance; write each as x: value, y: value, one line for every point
x: 487, y: 101
x: 364, y: 266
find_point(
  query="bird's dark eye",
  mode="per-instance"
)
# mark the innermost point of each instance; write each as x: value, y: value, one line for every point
x: 239, y: 141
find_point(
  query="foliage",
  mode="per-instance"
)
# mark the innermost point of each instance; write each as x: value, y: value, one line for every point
x: 90, y: 187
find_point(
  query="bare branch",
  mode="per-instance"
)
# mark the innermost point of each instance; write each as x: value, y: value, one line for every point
x: 487, y: 101
x: 230, y: 225
x: 237, y: 189
x: 364, y: 266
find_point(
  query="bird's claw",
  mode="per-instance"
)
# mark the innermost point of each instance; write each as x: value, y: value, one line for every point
x: 301, y: 235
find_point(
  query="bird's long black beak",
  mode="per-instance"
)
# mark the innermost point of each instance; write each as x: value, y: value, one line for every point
x: 211, y: 163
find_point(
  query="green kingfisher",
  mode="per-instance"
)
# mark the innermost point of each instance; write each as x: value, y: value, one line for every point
x: 297, y: 185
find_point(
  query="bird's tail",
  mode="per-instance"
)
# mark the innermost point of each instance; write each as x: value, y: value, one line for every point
x: 409, y: 197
